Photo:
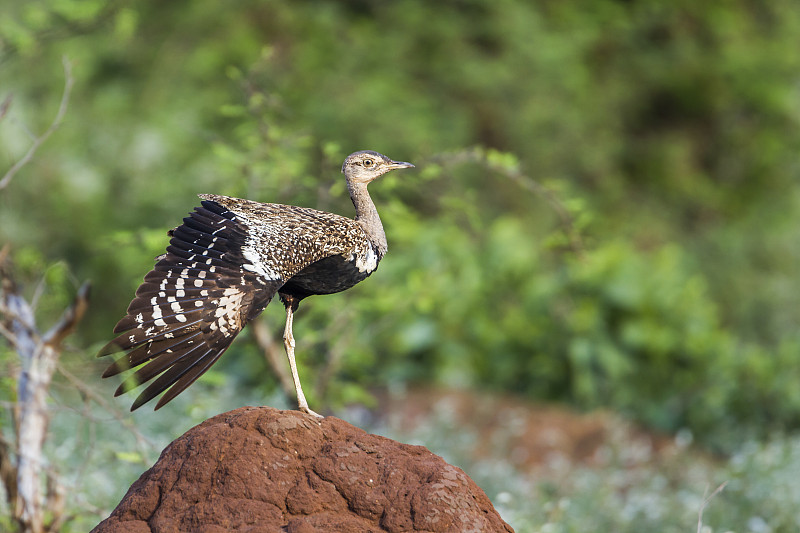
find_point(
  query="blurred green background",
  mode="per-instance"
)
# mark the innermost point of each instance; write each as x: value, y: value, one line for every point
x: 604, y: 212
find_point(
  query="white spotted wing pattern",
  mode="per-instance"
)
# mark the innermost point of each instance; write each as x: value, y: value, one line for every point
x: 222, y: 267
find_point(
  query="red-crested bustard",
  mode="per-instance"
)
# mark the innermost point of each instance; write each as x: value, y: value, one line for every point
x: 223, y: 266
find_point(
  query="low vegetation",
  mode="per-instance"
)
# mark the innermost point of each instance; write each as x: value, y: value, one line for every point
x: 604, y: 215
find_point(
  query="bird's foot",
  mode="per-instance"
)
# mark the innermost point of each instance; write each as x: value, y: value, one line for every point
x: 308, y: 410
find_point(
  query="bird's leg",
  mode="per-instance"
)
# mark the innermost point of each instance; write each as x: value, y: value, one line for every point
x: 288, y: 342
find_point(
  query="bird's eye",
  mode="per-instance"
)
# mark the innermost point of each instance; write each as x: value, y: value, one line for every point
x: 368, y: 163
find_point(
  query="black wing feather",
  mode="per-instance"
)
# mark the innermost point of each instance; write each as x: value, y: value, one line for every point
x: 205, y: 288
x: 189, y: 308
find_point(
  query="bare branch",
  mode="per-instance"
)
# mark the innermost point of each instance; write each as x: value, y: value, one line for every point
x: 38, y: 356
x: 555, y: 202
x: 59, y: 118
x: 5, y: 332
x: 145, y: 445
x: 274, y: 356
x: 7, y: 286
x: 69, y: 319
x: 5, y: 106
x: 705, y: 503
x: 479, y: 155
x: 8, y: 471
x: 56, y: 500
x: 335, y: 352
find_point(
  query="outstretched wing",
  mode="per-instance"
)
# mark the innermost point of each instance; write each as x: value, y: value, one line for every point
x: 222, y: 267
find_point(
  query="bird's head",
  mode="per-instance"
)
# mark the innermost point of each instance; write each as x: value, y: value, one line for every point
x: 366, y: 165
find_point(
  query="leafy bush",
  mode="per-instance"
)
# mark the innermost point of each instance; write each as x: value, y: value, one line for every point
x: 666, y: 133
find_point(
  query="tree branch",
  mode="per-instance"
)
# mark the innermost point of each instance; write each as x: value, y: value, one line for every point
x: 38, y: 356
x: 145, y: 446
x: 511, y: 171
x: 69, y: 319
x: 274, y: 357
x: 5, y: 106
x: 37, y: 142
x: 705, y: 503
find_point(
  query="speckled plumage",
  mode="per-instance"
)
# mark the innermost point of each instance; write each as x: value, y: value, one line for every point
x: 284, y: 239
x: 223, y: 266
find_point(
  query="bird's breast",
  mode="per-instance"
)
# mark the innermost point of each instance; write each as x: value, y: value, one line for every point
x: 366, y: 263
x: 333, y: 274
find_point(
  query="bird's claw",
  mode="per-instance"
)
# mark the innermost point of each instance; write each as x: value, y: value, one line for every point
x: 308, y: 410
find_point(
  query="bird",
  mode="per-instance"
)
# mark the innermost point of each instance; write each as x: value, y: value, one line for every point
x: 224, y: 265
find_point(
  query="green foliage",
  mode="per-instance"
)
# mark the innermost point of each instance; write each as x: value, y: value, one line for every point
x: 604, y: 213
x: 604, y: 210
x: 627, y: 237
x: 619, y: 328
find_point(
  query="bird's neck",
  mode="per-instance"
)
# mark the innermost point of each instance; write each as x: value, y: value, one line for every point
x: 367, y: 215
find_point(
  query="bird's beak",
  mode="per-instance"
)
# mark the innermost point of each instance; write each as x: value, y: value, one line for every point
x: 400, y: 164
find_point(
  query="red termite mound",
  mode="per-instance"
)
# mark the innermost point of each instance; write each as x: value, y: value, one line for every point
x: 258, y: 469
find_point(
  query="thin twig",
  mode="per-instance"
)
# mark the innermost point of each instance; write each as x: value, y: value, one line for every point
x: 39, y: 290
x: 479, y: 155
x: 705, y: 503
x: 335, y: 352
x: 274, y: 357
x: 8, y: 471
x: 37, y: 142
x: 560, y: 209
x: 69, y: 319
x: 142, y: 441
x: 7, y: 333
x: 5, y: 106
